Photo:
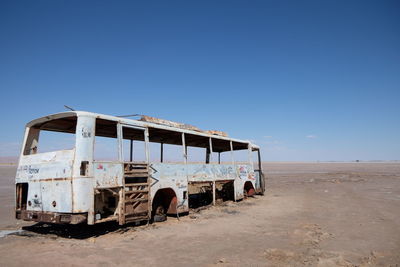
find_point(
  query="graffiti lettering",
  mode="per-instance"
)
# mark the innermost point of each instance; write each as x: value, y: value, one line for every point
x: 86, y: 133
x: 33, y: 170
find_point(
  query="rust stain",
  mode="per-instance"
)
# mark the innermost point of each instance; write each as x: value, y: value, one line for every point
x: 52, y: 179
x: 180, y: 125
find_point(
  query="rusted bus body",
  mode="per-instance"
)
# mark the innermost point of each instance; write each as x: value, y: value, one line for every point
x: 71, y: 186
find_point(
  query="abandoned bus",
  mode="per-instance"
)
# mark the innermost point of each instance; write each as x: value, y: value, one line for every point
x: 125, y: 170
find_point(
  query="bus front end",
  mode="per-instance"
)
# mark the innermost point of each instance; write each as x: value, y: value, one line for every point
x: 53, y: 179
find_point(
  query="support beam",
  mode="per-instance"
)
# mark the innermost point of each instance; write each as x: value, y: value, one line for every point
x: 146, y: 145
x: 131, y: 152
x: 233, y: 159
x: 259, y: 159
x: 211, y: 150
x: 184, y: 148
x: 249, y: 149
x: 213, y: 183
x: 162, y: 153
x: 262, y: 181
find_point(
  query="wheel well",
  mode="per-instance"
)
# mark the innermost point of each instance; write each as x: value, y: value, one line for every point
x: 248, y: 188
x: 167, y: 198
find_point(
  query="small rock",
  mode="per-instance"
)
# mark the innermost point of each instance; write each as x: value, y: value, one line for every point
x: 373, y: 254
x: 222, y: 260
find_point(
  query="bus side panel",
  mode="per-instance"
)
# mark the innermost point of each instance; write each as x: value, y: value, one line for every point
x: 244, y: 173
x: 34, y: 196
x: 56, y: 195
x: 82, y: 195
x: 85, y: 132
x: 224, y: 171
x: 49, y: 165
x: 172, y: 176
x: 108, y: 174
x: 83, y: 179
x: 210, y: 172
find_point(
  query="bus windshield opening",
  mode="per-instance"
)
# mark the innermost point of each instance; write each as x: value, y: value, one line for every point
x: 49, y: 136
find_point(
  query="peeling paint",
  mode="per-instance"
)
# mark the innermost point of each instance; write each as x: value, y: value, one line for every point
x: 65, y: 181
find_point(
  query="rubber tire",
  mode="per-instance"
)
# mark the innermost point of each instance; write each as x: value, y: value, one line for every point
x: 159, y: 218
x: 160, y: 215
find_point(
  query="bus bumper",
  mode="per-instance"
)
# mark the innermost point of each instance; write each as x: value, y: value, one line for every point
x: 51, y: 217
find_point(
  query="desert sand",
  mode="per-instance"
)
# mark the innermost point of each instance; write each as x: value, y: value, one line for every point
x: 313, y: 214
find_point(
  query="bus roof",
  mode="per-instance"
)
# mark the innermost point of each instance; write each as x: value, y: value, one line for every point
x: 147, y: 123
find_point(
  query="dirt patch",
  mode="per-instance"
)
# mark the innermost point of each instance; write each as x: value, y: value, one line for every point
x: 321, y: 214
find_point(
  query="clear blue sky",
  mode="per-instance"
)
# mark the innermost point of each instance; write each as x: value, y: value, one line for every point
x: 306, y: 80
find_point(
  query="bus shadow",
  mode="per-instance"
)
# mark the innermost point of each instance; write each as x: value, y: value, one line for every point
x: 80, y: 231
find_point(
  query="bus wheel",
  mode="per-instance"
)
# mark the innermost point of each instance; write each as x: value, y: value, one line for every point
x: 162, y: 202
x: 159, y: 214
x: 248, y: 190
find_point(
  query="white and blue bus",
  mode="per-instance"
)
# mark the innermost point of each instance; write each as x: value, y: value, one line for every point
x: 125, y: 170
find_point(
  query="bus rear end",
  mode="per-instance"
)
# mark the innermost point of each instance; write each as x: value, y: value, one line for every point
x: 52, y: 182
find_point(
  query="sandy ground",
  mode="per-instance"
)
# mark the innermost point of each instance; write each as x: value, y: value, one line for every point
x: 313, y: 214
x: 7, y: 195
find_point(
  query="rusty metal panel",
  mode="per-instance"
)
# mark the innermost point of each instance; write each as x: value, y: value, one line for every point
x: 52, y: 217
x: 108, y: 174
x: 215, y: 132
x: 169, y: 123
x: 180, y: 125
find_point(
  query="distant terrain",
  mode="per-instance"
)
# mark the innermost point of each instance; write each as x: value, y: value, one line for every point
x: 8, y: 160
